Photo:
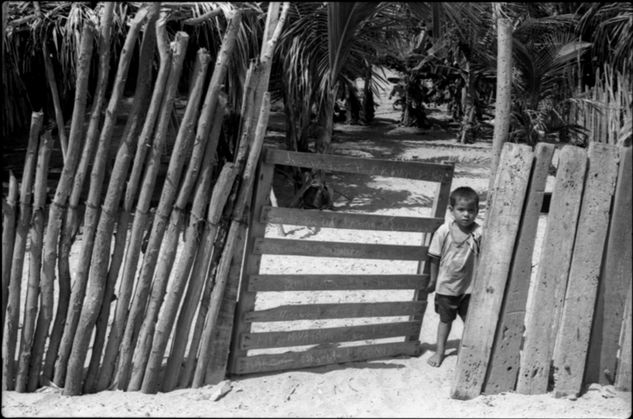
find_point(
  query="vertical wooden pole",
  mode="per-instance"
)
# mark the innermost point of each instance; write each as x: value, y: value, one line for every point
x: 623, y: 374
x: 614, y: 280
x: 571, y: 350
x: 551, y: 277
x: 8, y: 237
x: 219, y: 196
x: 504, y: 94
x: 504, y: 359
x: 11, y: 320
x: 497, y: 247
x: 149, y: 180
x: 56, y: 210
x: 24, y: 382
x: 129, y: 265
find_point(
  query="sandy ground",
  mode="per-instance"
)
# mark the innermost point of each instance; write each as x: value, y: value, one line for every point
x: 400, y: 387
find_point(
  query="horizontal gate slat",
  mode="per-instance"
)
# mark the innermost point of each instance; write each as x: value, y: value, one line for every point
x: 257, y: 283
x: 329, y: 219
x: 336, y: 311
x: 317, y: 357
x: 338, y: 249
x: 327, y: 335
x: 431, y: 172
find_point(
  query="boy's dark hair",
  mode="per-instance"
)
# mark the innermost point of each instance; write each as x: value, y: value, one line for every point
x: 464, y: 192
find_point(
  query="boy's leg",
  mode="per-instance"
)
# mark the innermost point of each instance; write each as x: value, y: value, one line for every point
x: 446, y: 306
x: 443, y: 330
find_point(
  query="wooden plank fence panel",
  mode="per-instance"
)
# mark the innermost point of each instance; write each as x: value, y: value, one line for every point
x: 494, y: 266
x: 431, y: 172
x: 623, y: 375
x: 326, y: 335
x: 337, y: 249
x: 551, y: 276
x: 259, y: 283
x: 330, y: 219
x: 318, y: 357
x: 334, y: 311
x: 571, y: 350
x: 615, y: 279
x: 504, y: 359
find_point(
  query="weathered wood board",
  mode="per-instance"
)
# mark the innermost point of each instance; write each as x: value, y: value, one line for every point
x: 615, y: 280
x: 593, y: 223
x: 551, y: 276
x: 317, y: 357
x: 497, y: 246
x: 623, y: 373
x: 317, y: 282
x: 504, y: 359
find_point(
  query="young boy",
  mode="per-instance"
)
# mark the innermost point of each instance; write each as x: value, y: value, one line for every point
x: 453, y: 254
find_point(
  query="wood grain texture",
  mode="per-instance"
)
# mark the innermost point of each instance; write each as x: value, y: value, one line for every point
x: 431, y: 172
x: 497, y: 246
x: 551, y: 276
x: 573, y: 336
x: 504, y: 358
x: 615, y: 280
x: 298, y: 282
x: 330, y: 219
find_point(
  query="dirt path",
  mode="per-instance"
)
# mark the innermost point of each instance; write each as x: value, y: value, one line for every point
x: 401, y: 387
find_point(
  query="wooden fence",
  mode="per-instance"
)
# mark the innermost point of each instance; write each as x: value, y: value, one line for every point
x: 568, y: 323
x: 255, y: 284
x: 127, y: 307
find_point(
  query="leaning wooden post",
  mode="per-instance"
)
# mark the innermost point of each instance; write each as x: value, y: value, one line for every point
x: 61, y: 339
x: 72, y: 385
x: 129, y: 267
x: 623, y: 372
x: 497, y: 247
x: 541, y: 323
x: 237, y: 224
x: 113, y: 197
x: 615, y: 279
x: 59, y: 115
x: 182, y: 266
x: 169, y: 246
x: 23, y: 381
x: 56, y: 209
x: 570, y: 353
x: 504, y: 358
x: 8, y: 237
x: 219, y: 197
x: 504, y: 92
x: 10, y: 335
x: 142, y: 208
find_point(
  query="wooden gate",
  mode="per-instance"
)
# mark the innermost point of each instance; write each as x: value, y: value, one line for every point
x: 327, y: 339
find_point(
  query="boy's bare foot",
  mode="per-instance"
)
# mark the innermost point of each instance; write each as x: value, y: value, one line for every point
x: 435, y: 360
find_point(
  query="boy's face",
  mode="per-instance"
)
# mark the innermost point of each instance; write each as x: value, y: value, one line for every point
x: 464, y: 211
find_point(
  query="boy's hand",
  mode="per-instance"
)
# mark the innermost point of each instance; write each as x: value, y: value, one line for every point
x: 430, y: 287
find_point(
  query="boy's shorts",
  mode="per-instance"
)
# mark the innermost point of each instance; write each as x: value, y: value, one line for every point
x: 449, y: 306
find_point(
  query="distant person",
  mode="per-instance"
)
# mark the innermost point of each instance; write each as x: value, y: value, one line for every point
x: 453, y: 255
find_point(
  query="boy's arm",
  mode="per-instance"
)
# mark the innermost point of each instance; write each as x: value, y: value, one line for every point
x: 433, y: 265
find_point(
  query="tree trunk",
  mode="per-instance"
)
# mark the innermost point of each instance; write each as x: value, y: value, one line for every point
x: 72, y: 385
x: 504, y: 95
x: 11, y: 320
x: 323, y: 140
x: 8, y: 237
x: 368, y: 99
x: 23, y: 381
x: 140, y: 219
x: 219, y: 197
x: 113, y: 196
x: 51, y: 236
x: 131, y: 260
x: 71, y: 223
x: 229, y: 248
x: 183, y: 264
x: 169, y: 246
